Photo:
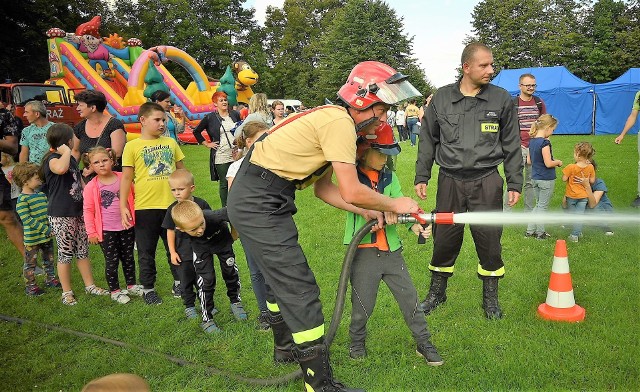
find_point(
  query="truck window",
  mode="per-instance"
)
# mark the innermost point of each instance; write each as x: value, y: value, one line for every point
x: 49, y: 94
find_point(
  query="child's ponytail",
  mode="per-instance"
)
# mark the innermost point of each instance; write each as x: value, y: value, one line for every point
x: 545, y: 121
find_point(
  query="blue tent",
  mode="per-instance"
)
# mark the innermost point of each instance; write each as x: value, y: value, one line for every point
x: 567, y: 97
x: 614, y: 101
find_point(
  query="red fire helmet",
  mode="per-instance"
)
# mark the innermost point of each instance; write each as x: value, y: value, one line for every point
x: 372, y: 82
x: 382, y: 140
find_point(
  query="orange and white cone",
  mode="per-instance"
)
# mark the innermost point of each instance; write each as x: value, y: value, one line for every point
x: 560, y: 304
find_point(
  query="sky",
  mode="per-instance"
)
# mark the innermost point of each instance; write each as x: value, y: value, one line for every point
x: 438, y: 28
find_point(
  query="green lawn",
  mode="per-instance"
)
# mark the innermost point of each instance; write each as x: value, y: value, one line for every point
x: 519, y: 352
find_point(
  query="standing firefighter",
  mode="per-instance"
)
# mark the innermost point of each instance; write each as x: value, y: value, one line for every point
x: 469, y: 129
x: 305, y: 149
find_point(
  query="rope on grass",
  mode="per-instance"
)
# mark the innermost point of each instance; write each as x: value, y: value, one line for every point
x: 178, y: 361
x: 333, y: 327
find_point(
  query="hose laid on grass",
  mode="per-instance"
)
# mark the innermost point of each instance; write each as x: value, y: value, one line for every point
x: 329, y: 336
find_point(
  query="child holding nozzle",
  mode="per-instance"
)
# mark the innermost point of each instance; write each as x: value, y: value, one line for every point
x: 379, y: 256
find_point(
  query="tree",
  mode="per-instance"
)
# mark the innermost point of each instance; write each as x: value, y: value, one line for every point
x: 511, y: 29
x: 597, y: 42
x: 378, y: 35
x: 22, y: 33
x: 295, y: 34
x: 214, y: 32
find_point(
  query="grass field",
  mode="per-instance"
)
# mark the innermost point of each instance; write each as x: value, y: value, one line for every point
x: 519, y: 352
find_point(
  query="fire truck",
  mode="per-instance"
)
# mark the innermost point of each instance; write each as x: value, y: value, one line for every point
x: 56, y: 99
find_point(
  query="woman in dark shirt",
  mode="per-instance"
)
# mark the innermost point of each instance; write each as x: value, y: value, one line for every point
x: 96, y: 129
x: 218, y: 125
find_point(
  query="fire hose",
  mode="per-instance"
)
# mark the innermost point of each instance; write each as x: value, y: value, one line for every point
x: 343, y: 282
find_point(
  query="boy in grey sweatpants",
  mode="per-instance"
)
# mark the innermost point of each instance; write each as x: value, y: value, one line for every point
x: 379, y: 256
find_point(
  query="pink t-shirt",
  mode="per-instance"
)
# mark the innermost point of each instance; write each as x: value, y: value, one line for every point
x: 110, y: 206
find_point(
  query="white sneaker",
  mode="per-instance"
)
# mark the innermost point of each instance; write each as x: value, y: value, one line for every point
x: 136, y: 289
x: 120, y: 297
x: 573, y: 238
x: 608, y: 233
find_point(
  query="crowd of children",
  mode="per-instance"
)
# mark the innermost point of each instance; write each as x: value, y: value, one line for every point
x: 581, y: 191
x: 108, y: 211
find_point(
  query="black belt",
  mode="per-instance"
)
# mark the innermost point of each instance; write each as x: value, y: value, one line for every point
x: 268, y: 175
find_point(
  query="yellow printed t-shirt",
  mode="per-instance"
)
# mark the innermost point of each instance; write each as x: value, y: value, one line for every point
x: 152, y: 161
x: 301, y: 147
x: 573, y: 189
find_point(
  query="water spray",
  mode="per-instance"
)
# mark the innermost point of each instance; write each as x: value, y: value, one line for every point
x: 500, y: 218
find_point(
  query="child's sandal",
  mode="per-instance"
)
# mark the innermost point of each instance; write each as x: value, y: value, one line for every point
x: 95, y: 290
x: 68, y: 299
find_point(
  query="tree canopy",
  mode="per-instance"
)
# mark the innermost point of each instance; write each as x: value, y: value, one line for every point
x: 306, y: 48
x: 597, y: 41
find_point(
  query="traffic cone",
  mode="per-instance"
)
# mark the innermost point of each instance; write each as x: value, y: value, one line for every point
x: 560, y: 304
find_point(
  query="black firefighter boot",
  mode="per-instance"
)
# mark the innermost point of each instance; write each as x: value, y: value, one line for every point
x: 437, y: 293
x: 490, y: 298
x: 282, y: 339
x: 316, y: 370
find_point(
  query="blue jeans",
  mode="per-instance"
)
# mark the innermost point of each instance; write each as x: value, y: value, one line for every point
x: 576, y: 206
x: 411, y: 128
x: 543, y: 190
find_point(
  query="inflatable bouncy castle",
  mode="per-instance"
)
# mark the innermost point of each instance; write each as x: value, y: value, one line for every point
x: 125, y: 72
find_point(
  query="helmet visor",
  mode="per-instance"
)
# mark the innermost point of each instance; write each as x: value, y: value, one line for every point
x: 396, y: 92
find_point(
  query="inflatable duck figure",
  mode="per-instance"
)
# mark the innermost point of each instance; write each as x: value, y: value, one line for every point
x: 245, y: 77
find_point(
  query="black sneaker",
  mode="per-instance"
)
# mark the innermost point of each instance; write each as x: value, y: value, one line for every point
x: 429, y: 353
x: 543, y: 236
x: 529, y: 235
x: 636, y: 202
x: 176, y: 290
x: 357, y: 351
x: 152, y: 298
x: 263, y: 322
x: 33, y: 291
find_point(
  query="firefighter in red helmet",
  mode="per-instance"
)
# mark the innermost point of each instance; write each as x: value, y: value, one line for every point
x: 307, y: 148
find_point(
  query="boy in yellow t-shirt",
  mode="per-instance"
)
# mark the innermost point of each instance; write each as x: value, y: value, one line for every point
x: 149, y: 160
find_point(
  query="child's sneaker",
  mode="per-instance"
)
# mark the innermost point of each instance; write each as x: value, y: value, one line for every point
x: 429, y: 353
x: 33, y: 291
x: 210, y: 327
x: 120, y: 297
x: 135, y: 289
x: 69, y: 299
x: 53, y: 282
x: 191, y: 313
x: 152, y: 298
x: 543, y: 236
x: 176, y: 290
x: 263, y: 321
x: 95, y: 290
x: 238, y: 311
x: 573, y: 238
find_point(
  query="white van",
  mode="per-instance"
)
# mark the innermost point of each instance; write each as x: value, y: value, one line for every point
x: 290, y: 105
